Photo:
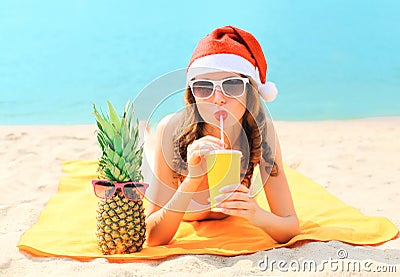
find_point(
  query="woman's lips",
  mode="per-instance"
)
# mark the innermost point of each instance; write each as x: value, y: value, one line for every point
x: 220, y: 113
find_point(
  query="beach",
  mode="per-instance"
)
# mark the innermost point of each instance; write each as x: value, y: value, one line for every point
x: 356, y: 160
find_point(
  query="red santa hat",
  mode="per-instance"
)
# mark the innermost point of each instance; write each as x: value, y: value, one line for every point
x: 231, y: 49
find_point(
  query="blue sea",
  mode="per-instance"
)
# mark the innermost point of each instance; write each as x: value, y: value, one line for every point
x: 330, y: 59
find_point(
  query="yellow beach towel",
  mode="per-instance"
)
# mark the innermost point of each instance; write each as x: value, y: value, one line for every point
x: 66, y: 227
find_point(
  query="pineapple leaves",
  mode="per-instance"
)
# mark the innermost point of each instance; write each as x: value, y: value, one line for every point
x: 118, y: 138
x: 118, y: 144
x: 114, y: 118
x: 103, y: 125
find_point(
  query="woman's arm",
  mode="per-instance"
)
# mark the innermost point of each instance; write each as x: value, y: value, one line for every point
x: 168, y: 202
x: 281, y: 223
x: 162, y: 223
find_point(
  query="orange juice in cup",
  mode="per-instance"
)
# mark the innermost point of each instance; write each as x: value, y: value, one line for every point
x: 223, y: 168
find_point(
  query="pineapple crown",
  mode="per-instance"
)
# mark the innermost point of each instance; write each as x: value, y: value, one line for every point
x: 118, y: 138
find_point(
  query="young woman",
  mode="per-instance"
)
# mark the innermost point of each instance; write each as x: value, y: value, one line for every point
x: 225, y: 79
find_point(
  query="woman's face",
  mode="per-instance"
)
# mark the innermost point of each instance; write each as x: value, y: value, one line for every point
x: 211, y: 109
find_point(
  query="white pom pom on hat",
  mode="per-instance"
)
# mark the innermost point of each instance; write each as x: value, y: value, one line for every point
x: 268, y: 91
x: 231, y: 49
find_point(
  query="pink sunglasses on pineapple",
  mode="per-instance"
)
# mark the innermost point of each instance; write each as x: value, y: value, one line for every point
x: 132, y: 190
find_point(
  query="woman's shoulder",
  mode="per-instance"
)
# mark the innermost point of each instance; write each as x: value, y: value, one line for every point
x: 170, y: 121
x: 165, y: 130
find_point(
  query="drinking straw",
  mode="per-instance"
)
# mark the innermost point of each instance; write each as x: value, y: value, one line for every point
x: 221, y: 128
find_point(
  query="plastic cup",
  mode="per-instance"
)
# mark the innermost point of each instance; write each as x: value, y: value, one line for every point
x: 223, y: 168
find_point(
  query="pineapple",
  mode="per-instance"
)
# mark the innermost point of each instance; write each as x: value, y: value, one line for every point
x: 121, y: 224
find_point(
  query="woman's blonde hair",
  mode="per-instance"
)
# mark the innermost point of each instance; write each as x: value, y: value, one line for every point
x: 254, y: 125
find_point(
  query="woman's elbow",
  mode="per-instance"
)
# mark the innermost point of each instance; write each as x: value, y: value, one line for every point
x: 288, y: 236
x: 154, y: 241
x: 293, y: 229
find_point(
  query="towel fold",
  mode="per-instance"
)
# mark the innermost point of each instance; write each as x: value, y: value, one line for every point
x: 66, y: 227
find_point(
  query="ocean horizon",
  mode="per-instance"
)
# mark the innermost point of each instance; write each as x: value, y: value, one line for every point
x: 331, y: 60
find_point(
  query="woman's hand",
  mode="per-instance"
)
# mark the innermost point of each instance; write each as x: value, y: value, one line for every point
x: 196, y: 151
x: 236, y: 200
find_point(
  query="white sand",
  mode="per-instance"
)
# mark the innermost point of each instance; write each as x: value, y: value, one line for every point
x: 356, y: 160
